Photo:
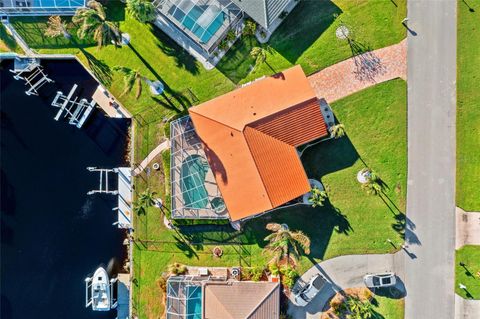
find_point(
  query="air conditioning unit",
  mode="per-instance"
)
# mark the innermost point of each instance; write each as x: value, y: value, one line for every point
x: 235, y: 272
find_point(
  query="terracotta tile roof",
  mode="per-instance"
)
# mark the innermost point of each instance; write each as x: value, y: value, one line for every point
x: 250, y: 135
x: 241, y: 300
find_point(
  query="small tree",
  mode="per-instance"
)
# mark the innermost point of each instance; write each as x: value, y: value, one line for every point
x: 141, y: 10
x: 131, y: 78
x: 93, y: 23
x: 317, y: 196
x: 144, y: 201
x: 177, y: 269
x: 250, y: 28
x: 57, y: 27
x: 286, y: 244
x: 373, y: 185
x: 259, y: 54
x: 359, y: 309
x: 337, y: 131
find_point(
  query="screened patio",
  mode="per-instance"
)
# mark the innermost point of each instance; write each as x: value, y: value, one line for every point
x: 40, y: 7
x: 204, y: 21
x: 195, y: 193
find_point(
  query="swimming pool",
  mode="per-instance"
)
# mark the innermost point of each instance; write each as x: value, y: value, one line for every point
x: 194, y: 302
x: 58, y: 3
x: 192, y: 175
x: 203, y: 23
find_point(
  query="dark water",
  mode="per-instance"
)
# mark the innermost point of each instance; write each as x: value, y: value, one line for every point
x: 52, y: 233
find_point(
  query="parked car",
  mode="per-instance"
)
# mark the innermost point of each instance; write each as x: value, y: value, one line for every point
x: 310, y: 290
x: 387, y: 279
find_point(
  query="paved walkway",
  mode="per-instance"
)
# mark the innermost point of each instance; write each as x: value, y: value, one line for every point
x: 466, y: 309
x: 360, y: 72
x: 468, y: 228
x: 161, y: 147
x: 345, y: 272
x: 430, y: 276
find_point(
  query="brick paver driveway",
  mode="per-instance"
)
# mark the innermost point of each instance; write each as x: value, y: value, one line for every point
x: 360, y: 72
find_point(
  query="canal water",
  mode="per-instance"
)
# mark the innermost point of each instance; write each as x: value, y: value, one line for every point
x: 52, y: 233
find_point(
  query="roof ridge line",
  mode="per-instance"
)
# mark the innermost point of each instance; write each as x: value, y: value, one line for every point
x: 262, y: 301
x: 213, y: 120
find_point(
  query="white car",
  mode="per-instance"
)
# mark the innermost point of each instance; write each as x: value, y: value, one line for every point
x: 387, y: 279
x: 307, y: 293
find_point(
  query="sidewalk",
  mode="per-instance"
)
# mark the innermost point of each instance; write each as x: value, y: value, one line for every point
x: 161, y: 147
x: 468, y: 228
x: 361, y: 72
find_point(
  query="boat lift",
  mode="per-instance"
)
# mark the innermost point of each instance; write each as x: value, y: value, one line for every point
x: 103, y: 185
x: 88, y: 292
x: 77, y: 111
x: 32, y: 73
x: 124, y: 192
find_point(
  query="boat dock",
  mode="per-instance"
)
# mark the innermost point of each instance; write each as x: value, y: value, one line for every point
x: 123, y: 296
x: 108, y: 103
x: 124, y: 207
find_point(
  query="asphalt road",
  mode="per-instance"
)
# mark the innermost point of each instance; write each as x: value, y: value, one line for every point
x: 429, y: 269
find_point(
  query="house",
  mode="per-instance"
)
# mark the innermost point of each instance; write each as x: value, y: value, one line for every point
x: 207, y: 297
x: 236, y: 156
x: 199, y: 26
x: 40, y: 7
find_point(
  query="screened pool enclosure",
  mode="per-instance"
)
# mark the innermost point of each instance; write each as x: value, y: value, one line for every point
x: 184, y: 297
x: 195, y: 193
x: 40, y: 7
x: 206, y: 22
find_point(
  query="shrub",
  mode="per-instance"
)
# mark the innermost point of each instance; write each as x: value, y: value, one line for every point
x: 162, y: 284
x: 250, y: 28
x: 289, y: 276
x: 274, y: 270
x: 231, y: 36
x: 283, y: 15
x: 177, y: 269
x: 223, y: 45
x: 252, y: 273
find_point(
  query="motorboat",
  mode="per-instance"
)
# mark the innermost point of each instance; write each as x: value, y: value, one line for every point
x: 99, y: 291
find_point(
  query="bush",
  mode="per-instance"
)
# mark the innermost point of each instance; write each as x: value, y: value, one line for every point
x: 162, y: 284
x: 274, y: 270
x: 231, y: 36
x: 289, y: 276
x: 223, y: 45
x: 252, y: 273
x: 177, y: 269
x: 250, y: 28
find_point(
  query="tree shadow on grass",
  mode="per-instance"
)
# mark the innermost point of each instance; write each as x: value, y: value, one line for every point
x: 322, y: 222
x: 302, y: 27
x: 101, y: 70
x: 237, y: 62
x: 182, y: 58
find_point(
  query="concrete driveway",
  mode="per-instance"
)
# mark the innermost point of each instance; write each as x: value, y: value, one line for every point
x: 344, y: 272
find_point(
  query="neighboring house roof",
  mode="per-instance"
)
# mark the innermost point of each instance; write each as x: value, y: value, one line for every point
x: 249, y: 137
x: 241, y: 300
x: 264, y: 12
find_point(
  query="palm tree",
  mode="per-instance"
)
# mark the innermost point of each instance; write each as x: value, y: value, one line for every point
x: 142, y: 10
x: 56, y: 27
x: 259, y: 54
x: 144, y: 201
x: 373, y: 185
x: 317, y: 196
x: 131, y: 78
x: 337, y: 131
x: 284, y: 243
x: 93, y: 23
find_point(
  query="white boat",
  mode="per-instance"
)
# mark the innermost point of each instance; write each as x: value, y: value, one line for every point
x: 99, y: 291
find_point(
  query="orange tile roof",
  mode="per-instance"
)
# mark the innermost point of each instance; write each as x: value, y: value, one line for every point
x: 249, y: 136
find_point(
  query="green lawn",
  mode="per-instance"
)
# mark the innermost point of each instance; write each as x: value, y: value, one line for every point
x: 468, y: 275
x: 390, y: 308
x: 7, y: 42
x: 468, y: 110
x: 306, y: 37
x: 352, y: 223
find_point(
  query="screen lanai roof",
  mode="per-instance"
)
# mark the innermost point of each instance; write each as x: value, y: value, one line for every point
x: 250, y: 137
x: 43, y: 3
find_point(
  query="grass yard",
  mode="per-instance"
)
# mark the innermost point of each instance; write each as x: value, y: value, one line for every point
x: 390, y: 308
x: 7, y: 42
x: 468, y: 112
x: 353, y: 222
x: 468, y: 275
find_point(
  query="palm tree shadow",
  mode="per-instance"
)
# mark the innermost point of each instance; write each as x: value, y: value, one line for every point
x: 99, y: 68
